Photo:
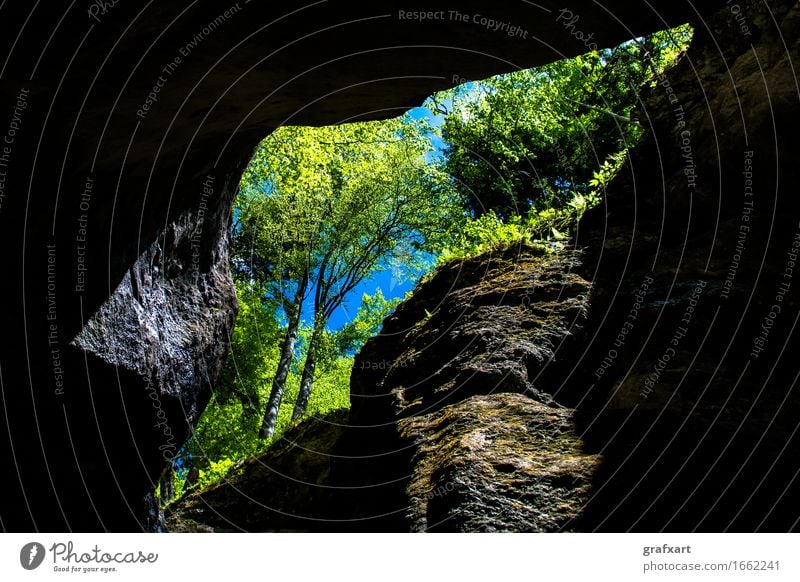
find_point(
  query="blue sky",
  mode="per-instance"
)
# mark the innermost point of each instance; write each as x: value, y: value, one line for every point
x: 435, y: 121
x: 386, y: 281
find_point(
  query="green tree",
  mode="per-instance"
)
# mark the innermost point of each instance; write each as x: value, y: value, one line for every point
x: 228, y: 429
x: 283, y: 201
x: 533, y: 138
x: 323, y: 209
x: 253, y: 343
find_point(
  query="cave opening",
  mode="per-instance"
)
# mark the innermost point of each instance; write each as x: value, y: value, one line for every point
x: 335, y: 226
x: 121, y: 304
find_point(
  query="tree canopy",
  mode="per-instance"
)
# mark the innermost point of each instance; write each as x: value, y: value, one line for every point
x: 321, y: 209
x: 532, y: 138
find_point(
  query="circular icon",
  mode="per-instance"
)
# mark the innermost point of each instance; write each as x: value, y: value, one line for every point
x: 31, y: 555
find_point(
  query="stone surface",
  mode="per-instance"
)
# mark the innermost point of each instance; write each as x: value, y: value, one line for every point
x: 501, y: 462
x: 286, y: 489
x: 425, y: 387
x: 491, y: 323
x: 688, y: 261
x: 455, y: 423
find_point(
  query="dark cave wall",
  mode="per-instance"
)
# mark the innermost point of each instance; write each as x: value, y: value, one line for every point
x: 679, y: 373
x: 111, y: 294
x: 708, y: 201
x: 705, y: 217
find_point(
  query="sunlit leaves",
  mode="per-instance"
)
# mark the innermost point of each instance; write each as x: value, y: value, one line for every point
x: 533, y: 138
x: 339, y: 202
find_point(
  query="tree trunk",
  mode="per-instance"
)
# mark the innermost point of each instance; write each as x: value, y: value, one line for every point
x: 284, y: 364
x: 192, y: 477
x: 167, y: 485
x: 279, y: 380
x: 307, y: 379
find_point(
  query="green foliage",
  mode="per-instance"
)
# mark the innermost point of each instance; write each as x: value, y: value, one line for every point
x: 488, y: 231
x: 533, y: 139
x: 321, y: 209
x: 227, y: 434
x: 527, y: 154
x: 367, y: 322
x: 339, y: 203
x: 215, y: 471
x: 227, y: 431
x: 254, y: 343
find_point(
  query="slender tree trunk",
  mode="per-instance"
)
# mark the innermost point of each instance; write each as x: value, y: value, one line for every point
x: 167, y: 485
x: 307, y: 380
x: 279, y: 380
x: 284, y: 364
x: 192, y: 477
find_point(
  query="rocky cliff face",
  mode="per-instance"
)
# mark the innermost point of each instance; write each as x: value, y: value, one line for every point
x: 431, y: 395
x: 496, y: 320
x: 695, y: 298
x: 287, y: 489
x: 644, y: 380
x: 456, y: 423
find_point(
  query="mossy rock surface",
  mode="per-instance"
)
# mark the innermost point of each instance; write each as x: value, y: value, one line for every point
x: 501, y: 462
x: 284, y: 489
